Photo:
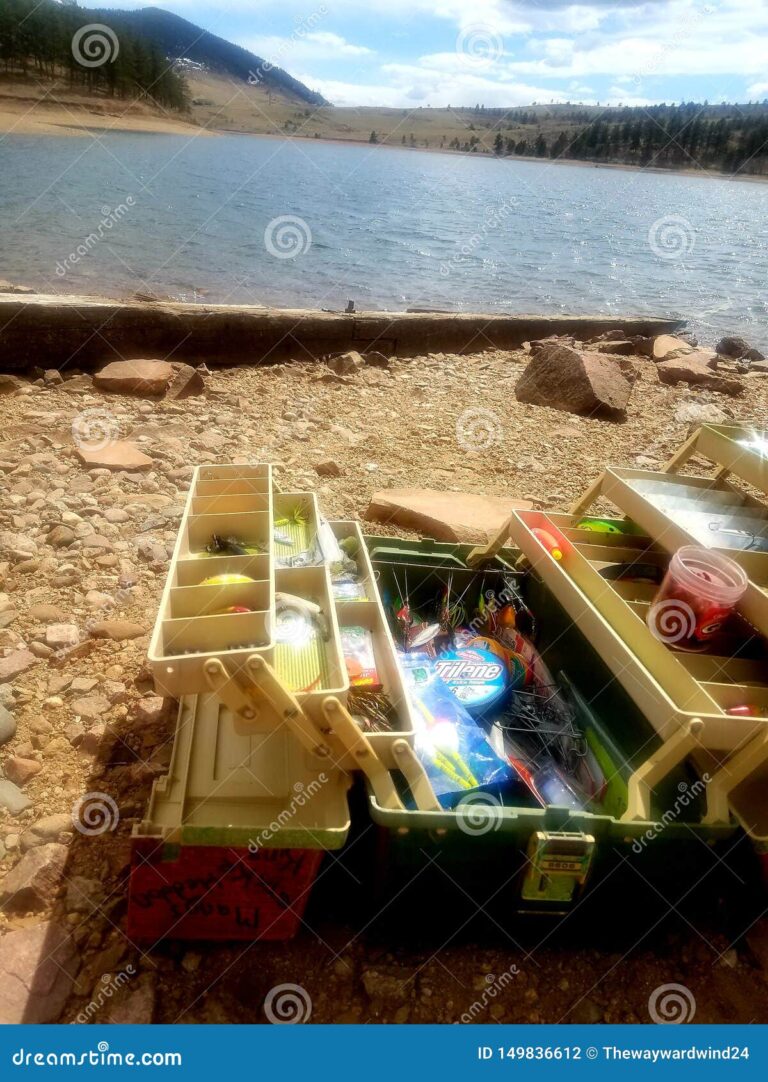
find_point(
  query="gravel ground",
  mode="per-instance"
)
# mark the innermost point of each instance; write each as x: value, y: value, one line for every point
x: 87, y: 719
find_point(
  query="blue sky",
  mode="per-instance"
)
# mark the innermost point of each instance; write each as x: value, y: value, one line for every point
x: 502, y: 52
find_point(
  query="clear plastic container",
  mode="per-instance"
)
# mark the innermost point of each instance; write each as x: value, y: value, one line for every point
x: 700, y: 590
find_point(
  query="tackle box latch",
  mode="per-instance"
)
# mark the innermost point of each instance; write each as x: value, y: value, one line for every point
x: 558, y: 865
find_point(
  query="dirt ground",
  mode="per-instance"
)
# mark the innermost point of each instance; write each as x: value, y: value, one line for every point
x: 89, y: 719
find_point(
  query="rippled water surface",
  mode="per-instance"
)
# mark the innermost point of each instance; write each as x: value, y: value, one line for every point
x: 385, y: 228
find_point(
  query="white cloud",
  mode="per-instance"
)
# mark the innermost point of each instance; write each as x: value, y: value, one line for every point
x: 758, y: 90
x: 307, y: 47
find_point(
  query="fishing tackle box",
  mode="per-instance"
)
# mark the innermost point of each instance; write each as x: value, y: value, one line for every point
x: 265, y: 748
x: 542, y: 859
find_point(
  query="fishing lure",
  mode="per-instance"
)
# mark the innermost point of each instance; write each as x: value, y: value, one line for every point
x: 231, y: 546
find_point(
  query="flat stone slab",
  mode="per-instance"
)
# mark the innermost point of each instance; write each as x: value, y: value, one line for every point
x: 445, y: 516
x: 118, y: 455
x: 37, y: 967
x: 140, y: 377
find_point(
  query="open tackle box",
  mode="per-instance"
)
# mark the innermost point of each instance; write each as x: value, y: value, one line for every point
x: 271, y: 729
x: 252, y: 635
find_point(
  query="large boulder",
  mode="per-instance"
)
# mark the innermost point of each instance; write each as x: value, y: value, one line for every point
x: 140, y: 377
x: 577, y: 382
x: 37, y: 968
x: 444, y: 516
x: 694, y: 368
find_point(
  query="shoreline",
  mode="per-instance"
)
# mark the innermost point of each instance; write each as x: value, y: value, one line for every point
x: 63, y: 120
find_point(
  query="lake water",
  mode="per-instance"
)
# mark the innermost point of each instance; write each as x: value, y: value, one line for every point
x: 205, y: 219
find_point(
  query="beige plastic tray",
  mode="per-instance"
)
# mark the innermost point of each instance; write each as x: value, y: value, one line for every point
x: 191, y: 627
x: 260, y: 788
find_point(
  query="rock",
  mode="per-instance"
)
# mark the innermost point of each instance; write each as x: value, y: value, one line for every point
x: 7, y: 726
x: 587, y: 383
x: 136, y: 1004
x: 52, y: 377
x: 118, y: 455
x: 376, y: 360
x: 118, y: 630
x: 388, y: 983
x: 10, y: 384
x: 346, y: 363
x: 150, y: 709
x: 46, y: 829
x: 705, y: 413
x: 738, y: 348
x: 186, y: 383
x: 46, y: 614
x: 667, y: 346
x: 17, y: 546
x: 15, y: 664
x: 328, y: 468
x: 39, y: 649
x: 444, y: 516
x: 20, y: 771
x: 84, y: 895
x: 91, y: 707
x: 140, y: 377
x: 694, y: 369
x: 12, y: 798
x: 620, y: 347
x: 60, y: 537
x: 33, y: 882
x: 37, y: 969
x: 62, y: 636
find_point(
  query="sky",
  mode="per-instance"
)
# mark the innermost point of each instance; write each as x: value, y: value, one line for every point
x: 410, y: 53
